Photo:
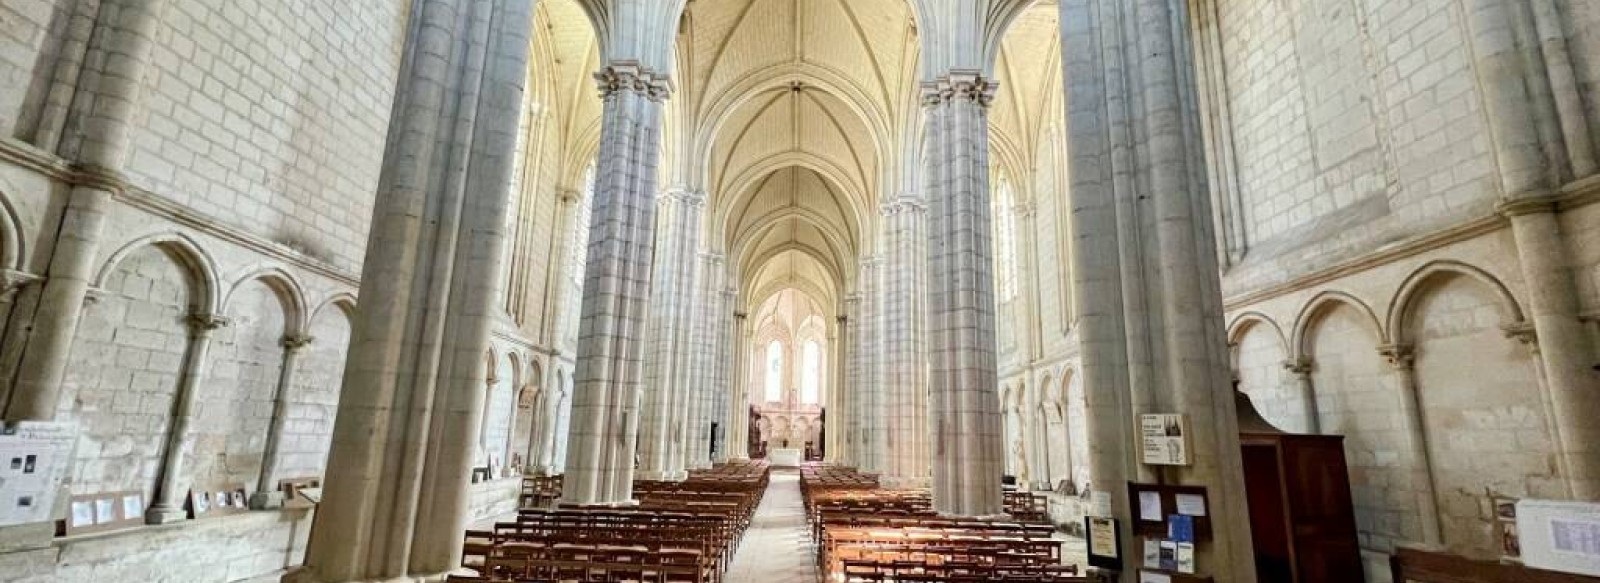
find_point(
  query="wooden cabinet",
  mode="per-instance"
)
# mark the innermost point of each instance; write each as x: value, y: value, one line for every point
x: 1301, y: 514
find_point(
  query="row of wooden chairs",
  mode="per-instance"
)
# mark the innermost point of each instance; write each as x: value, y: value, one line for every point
x: 678, y: 533
x: 865, y: 533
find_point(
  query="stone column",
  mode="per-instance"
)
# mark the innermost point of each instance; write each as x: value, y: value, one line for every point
x: 1403, y: 359
x: 1145, y: 264
x: 902, y: 375
x: 850, y: 402
x: 725, y: 364
x: 396, y: 504
x: 1535, y: 157
x: 833, y: 422
x: 739, y: 405
x: 669, y: 415
x: 169, y: 495
x: 266, y: 495
x: 105, y: 103
x: 701, y: 352
x: 606, y: 399
x: 1301, y: 369
x: 968, y: 458
x: 872, y: 455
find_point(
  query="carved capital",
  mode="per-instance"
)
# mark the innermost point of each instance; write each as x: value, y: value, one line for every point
x: 1400, y: 356
x: 1527, y: 204
x: 692, y: 198
x: 295, y: 342
x: 630, y: 76
x: 957, y: 86
x: 13, y: 281
x: 1299, y: 366
x: 905, y: 203
x: 1025, y: 210
x: 200, y: 324
x: 1523, y: 332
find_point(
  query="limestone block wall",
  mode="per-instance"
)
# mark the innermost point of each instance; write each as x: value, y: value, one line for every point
x: 270, y: 117
x: 31, y: 32
x: 314, y: 396
x: 1352, y: 126
x: 1582, y: 26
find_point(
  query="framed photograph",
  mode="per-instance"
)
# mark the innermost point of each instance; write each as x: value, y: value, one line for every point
x: 102, y: 512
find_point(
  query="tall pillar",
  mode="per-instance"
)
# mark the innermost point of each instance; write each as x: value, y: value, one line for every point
x: 724, y: 364
x: 668, y: 418
x: 902, y: 376
x: 739, y: 405
x: 833, y: 422
x: 606, y: 399
x: 168, y: 505
x: 1535, y: 157
x: 266, y: 495
x: 968, y: 458
x: 701, y: 351
x: 850, y: 409
x: 396, y: 504
x: 1403, y: 359
x: 108, y: 97
x: 1145, y: 265
x: 872, y: 445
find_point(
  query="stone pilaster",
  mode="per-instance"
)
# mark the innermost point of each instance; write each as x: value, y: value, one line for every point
x: 669, y: 419
x: 411, y: 401
x: 847, y: 421
x: 1301, y: 369
x: 701, y: 355
x: 606, y: 399
x: 1403, y: 359
x: 1145, y: 264
x: 96, y: 140
x: 902, y: 377
x: 724, y: 365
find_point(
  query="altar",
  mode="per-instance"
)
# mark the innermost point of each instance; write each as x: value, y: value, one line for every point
x: 785, y: 457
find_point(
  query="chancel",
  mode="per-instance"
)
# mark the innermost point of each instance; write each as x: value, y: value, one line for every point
x: 728, y: 291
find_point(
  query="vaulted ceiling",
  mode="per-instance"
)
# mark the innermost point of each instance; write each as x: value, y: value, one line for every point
x: 797, y: 118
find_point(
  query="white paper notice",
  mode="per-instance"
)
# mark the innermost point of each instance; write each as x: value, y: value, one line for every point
x: 1100, y: 503
x: 1191, y: 504
x: 1150, y: 507
x: 1152, y: 554
x: 1560, y: 536
x: 1164, y: 440
x: 33, y: 462
x: 1149, y: 577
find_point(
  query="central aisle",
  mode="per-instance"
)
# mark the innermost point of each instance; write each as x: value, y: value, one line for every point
x: 777, y: 547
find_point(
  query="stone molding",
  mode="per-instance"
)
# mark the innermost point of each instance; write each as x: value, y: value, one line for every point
x: 630, y: 76
x: 206, y: 323
x: 957, y: 86
x: 296, y: 342
x: 1400, y: 356
x: 1301, y: 366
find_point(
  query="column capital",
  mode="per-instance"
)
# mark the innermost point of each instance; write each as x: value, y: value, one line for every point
x: 295, y: 342
x: 871, y: 261
x: 713, y: 257
x: 621, y: 76
x: 1026, y: 210
x: 13, y: 281
x: 904, y: 203
x: 1523, y: 332
x: 959, y: 85
x: 1301, y: 366
x: 740, y: 316
x: 568, y: 195
x: 695, y: 198
x: 206, y: 322
x: 1400, y: 356
x: 1531, y: 203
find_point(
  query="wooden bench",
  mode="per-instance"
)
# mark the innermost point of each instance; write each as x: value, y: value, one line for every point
x: 1411, y: 565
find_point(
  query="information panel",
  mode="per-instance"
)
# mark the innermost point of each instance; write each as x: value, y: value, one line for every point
x: 33, y: 462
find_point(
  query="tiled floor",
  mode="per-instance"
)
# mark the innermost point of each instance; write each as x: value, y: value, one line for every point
x: 776, y: 548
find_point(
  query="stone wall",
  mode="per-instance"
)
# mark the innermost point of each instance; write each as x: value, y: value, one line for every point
x: 256, y: 546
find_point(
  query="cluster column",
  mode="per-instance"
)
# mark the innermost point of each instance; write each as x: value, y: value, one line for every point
x: 739, y: 404
x: 702, y: 358
x: 607, y: 382
x: 670, y: 416
x: 103, y: 106
x: 396, y: 503
x: 968, y: 459
x: 1150, y: 310
x: 903, y: 377
x: 872, y: 443
x: 1541, y: 140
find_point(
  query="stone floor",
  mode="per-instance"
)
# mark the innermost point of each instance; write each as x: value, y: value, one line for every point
x: 776, y: 548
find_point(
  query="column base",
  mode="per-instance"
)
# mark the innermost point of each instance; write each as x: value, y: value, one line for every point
x: 661, y: 476
x: 165, y: 515
x: 266, y: 500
